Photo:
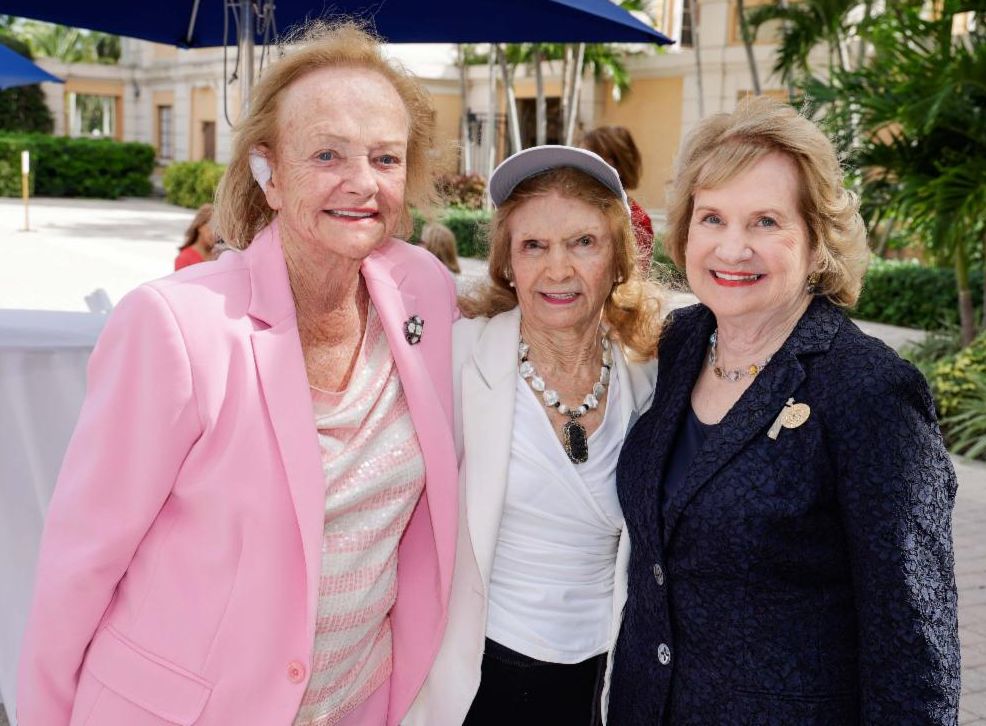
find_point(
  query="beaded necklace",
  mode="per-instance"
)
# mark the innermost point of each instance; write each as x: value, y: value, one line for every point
x: 574, y: 437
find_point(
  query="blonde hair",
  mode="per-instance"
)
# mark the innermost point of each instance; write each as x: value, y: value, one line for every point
x: 616, y: 146
x: 440, y: 241
x: 202, y: 217
x: 725, y: 145
x: 241, y: 205
x: 633, y: 307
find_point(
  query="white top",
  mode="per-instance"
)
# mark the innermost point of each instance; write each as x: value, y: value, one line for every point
x: 551, y: 586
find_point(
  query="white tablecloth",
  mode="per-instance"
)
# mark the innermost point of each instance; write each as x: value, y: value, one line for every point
x: 42, y: 382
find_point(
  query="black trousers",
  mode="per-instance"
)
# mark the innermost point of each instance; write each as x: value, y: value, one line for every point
x: 517, y: 690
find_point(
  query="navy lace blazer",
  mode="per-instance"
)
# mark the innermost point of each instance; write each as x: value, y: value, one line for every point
x: 800, y: 581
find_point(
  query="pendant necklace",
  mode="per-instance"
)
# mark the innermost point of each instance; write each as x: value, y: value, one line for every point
x: 574, y: 437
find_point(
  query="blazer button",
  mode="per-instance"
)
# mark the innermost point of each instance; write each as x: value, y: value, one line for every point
x: 658, y: 573
x: 664, y: 654
x: 296, y: 672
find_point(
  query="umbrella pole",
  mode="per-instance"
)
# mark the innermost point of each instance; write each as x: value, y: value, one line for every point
x: 26, y: 186
x: 246, y: 55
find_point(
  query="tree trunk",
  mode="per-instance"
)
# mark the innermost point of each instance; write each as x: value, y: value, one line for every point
x: 489, y: 133
x: 748, y: 44
x: 883, y: 236
x: 967, y: 323
x: 861, y: 46
x: 541, y: 103
x: 576, y: 91
x: 566, y: 63
x: 791, y: 90
x: 466, y: 160
x: 983, y: 326
x: 513, y: 124
x: 693, y: 9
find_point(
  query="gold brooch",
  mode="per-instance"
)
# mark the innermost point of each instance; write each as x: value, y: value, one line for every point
x: 791, y: 416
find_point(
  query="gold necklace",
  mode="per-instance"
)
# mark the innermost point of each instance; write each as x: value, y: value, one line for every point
x: 735, y: 374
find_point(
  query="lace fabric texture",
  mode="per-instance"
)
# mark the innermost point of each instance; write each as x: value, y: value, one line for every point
x: 804, y: 580
x: 374, y: 473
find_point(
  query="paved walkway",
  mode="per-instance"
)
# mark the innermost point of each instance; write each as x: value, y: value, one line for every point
x: 79, y: 246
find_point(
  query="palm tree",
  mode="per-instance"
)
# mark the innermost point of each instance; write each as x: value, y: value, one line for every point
x: 915, y: 113
x: 71, y: 45
x: 806, y: 25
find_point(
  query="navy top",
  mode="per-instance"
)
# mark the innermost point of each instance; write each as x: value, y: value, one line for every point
x: 688, y: 442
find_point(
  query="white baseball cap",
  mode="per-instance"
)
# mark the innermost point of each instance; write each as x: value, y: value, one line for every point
x: 539, y: 159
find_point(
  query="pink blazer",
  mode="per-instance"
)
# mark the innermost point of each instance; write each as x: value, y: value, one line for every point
x: 178, y: 575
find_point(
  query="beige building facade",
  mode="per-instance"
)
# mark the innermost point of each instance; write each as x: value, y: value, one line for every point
x: 180, y: 101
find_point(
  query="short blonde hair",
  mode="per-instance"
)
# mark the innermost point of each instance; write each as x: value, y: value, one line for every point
x: 241, y: 206
x: 633, y: 307
x: 725, y: 145
x: 440, y: 241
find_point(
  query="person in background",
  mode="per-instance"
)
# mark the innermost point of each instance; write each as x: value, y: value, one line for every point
x: 440, y: 241
x: 200, y: 239
x: 255, y: 521
x: 616, y: 146
x: 557, y: 360
x: 788, y: 495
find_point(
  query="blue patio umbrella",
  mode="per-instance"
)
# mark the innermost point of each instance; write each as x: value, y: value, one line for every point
x: 198, y: 23
x: 16, y: 70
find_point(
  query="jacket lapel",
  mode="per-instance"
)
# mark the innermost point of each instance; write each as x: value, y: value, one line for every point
x: 489, y: 388
x: 756, y: 409
x: 395, y: 304
x: 284, y: 382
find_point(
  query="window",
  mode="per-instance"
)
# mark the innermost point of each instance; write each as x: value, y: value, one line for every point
x: 686, y: 24
x: 92, y: 115
x: 165, y: 148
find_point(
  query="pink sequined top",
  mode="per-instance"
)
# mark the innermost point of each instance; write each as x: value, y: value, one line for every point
x: 374, y: 473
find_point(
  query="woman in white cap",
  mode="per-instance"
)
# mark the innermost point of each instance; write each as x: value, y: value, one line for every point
x: 556, y: 362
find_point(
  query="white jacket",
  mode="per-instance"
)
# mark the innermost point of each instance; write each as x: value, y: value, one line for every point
x: 484, y: 367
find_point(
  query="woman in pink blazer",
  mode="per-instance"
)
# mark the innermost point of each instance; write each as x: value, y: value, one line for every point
x: 264, y: 437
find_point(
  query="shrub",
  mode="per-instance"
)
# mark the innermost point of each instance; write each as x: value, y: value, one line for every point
x: 959, y: 384
x: 913, y: 296
x: 966, y: 428
x: 67, y: 167
x: 462, y: 190
x: 952, y: 378
x: 192, y: 183
x: 468, y: 226
x: 23, y: 108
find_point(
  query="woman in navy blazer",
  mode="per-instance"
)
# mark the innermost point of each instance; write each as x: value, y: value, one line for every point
x: 788, y: 494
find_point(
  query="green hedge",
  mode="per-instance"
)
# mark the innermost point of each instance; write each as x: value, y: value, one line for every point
x: 66, y: 167
x: 913, y: 296
x: 468, y: 225
x: 192, y: 183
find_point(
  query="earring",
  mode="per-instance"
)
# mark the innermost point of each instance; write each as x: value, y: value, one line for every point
x: 813, y: 280
x: 511, y: 283
x: 619, y: 279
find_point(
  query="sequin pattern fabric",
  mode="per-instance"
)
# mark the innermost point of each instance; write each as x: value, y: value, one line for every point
x: 805, y: 580
x: 374, y: 474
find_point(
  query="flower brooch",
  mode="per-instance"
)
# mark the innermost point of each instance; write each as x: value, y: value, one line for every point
x: 413, y: 328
